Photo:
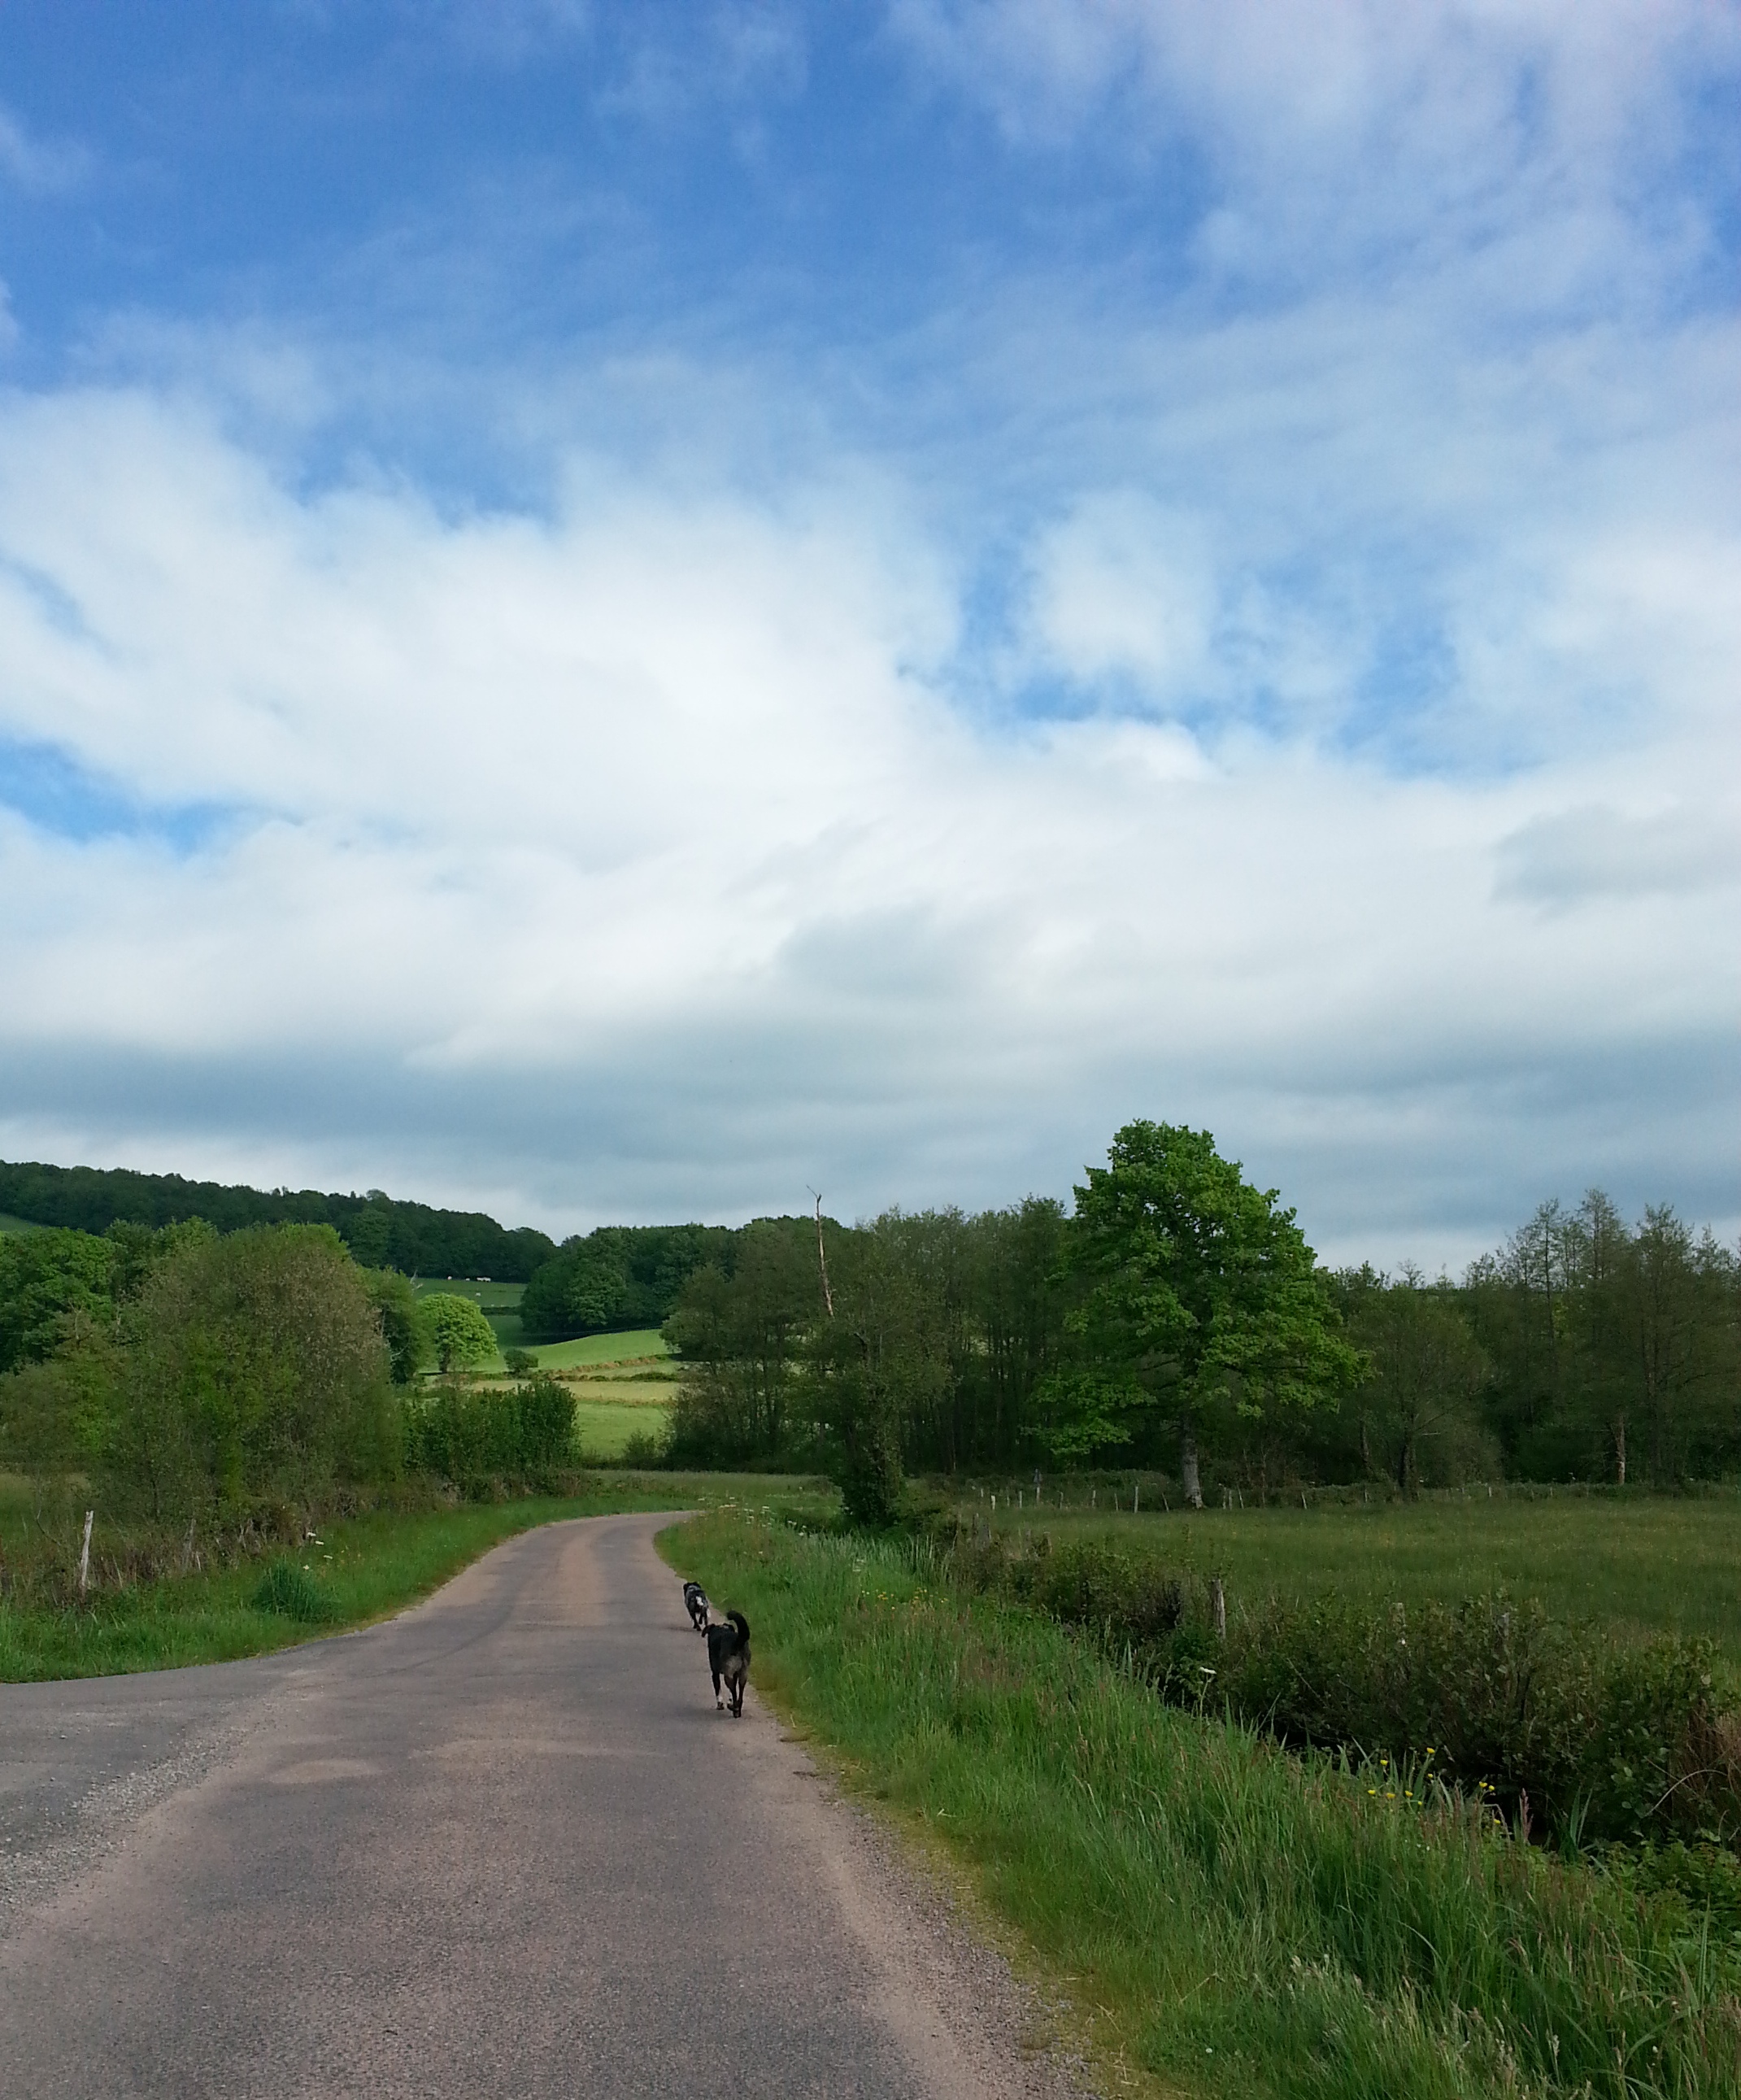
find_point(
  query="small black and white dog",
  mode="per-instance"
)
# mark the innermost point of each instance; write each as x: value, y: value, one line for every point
x: 696, y: 1602
x: 728, y: 1658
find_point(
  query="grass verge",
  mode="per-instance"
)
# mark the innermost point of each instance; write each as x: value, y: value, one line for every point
x: 358, y: 1569
x: 1246, y: 1923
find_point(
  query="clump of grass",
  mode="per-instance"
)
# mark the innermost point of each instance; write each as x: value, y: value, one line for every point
x: 1258, y: 1922
x: 293, y: 1592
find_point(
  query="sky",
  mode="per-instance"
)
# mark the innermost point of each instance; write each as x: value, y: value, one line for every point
x: 620, y: 612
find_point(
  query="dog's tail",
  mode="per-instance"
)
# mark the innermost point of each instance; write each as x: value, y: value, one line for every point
x: 738, y: 1620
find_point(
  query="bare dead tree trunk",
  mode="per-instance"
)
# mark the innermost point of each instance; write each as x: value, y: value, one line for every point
x: 1619, y: 1451
x: 1187, y: 1467
x: 822, y: 1260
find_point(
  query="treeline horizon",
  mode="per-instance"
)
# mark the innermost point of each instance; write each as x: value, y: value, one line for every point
x: 381, y: 1231
x: 1174, y: 1319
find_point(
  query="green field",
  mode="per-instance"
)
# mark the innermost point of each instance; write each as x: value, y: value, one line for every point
x: 606, y: 1427
x: 478, y: 1289
x: 640, y: 1345
x: 8, y: 1224
x: 1637, y: 1564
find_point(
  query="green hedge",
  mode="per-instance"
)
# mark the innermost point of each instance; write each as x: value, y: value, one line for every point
x: 1559, y: 1725
x: 470, y: 1434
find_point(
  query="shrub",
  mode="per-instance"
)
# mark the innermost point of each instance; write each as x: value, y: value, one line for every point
x: 470, y: 1435
x: 1553, y: 1722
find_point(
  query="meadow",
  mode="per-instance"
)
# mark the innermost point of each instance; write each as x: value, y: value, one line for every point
x: 1227, y: 1918
x: 1637, y: 1564
x: 622, y: 1385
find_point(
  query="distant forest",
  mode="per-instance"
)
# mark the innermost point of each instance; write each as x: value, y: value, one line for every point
x: 380, y: 1231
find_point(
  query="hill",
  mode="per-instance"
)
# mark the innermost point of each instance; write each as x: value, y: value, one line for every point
x: 380, y: 1231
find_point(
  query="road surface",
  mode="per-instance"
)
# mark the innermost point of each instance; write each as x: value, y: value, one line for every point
x: 500, y: 1845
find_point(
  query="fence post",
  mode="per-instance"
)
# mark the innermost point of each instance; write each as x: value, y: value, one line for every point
x: 84, y: 1553
x: 1217, y: 1607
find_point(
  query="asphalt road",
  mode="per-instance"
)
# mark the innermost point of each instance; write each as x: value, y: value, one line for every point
x: 502, y: 1845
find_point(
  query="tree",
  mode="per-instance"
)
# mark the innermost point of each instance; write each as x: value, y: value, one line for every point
x: 737, y: 1337
x: 395, y: 1303
x: 46, y: 1277
x: 1196, y: 1290
x: 1418, y: 1400
x: 247, y: 1366
x: 881, y: 1360
x: 456, y: 1330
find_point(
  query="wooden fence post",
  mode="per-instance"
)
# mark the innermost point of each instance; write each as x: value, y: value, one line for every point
x: 1217, y: 1607
x: 84, y: 1553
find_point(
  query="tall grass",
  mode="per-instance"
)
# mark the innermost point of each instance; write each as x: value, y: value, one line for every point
x: 1254, y: 1922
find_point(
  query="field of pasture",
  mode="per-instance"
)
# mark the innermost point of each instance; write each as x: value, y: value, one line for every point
x: 1637, y: 1564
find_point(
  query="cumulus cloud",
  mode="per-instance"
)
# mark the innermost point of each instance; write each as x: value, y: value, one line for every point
x: 641, y: 848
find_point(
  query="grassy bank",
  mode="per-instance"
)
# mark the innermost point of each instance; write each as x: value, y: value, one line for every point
x: 359, y: 1568
x: 1246, y: 1923
x: 1636, y: 1564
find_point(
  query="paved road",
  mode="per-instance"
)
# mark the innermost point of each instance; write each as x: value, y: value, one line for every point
x: 502, y: 1845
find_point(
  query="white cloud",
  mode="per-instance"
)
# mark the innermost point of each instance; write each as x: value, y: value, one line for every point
x: 640, y: 848
x: 1353, y: 129
x: 1122, y: 588
x: 39, y: 166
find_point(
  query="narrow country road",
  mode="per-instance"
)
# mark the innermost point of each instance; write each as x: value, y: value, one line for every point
x: 500, y: 1846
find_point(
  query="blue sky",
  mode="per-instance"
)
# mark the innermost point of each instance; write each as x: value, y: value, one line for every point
x: 624, y: 611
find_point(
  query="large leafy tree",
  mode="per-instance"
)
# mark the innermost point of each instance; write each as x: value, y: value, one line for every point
x: 457, y: 1332
x: 1196, y: 1290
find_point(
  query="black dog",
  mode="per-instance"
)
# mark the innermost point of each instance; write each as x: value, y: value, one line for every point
x: 729, y: 1657
x: 695, y: 1598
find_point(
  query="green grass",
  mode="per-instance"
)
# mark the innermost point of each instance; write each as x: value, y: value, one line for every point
x: 365, y: 1567
x: 9, y: 1224
x: 605, y: 1427
x: 1232, y: 1919
x: 480, y: 1291
x: 1639, y: 1565
x: 638, y: 1346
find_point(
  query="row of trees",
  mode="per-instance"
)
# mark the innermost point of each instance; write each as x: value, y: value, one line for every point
x: 380, y: 1231
x: 205, y: 1372
x: 1176, y: 1319
x: 190, y: 1374
x: 619, y: 1276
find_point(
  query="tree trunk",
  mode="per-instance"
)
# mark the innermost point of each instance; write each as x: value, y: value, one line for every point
x: 1187, y: 1467
x: 1619, y: 1451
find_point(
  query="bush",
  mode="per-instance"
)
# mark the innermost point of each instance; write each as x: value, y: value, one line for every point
x: 1557, y: 1725
x: 293, y: 1593
x: 472, y: 1435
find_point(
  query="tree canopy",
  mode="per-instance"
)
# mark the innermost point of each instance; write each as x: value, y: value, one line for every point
x: 1198, y: 1291
x: 457, y: 1333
